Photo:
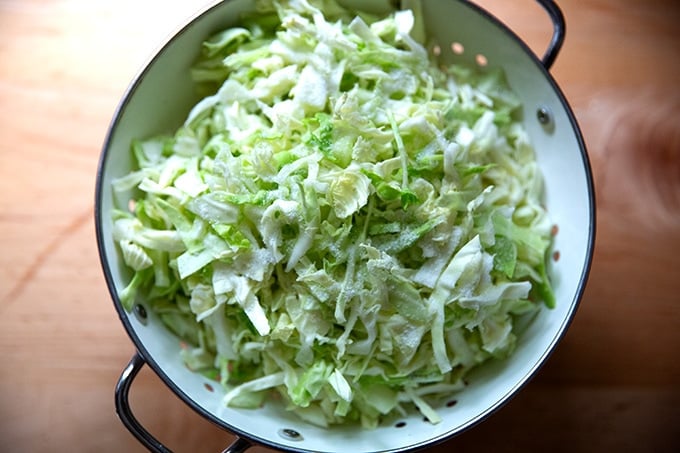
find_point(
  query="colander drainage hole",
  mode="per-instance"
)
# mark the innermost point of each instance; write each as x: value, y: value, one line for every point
x: 290, y: 434
x: 544, y: 116
x: 400, y: 424
x: 141, y: 314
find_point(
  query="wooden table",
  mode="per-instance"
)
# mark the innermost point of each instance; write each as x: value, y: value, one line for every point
x: 612, y: 385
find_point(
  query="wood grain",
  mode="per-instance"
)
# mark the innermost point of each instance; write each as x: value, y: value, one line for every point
x: 613, y: 383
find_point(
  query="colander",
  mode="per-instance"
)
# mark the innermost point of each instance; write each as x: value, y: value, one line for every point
x: 458, y: 31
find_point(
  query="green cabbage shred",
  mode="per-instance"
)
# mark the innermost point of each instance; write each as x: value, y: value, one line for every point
x: 340, y: 222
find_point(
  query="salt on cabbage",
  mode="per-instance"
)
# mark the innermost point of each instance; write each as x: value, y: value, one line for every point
x: 337, y: 211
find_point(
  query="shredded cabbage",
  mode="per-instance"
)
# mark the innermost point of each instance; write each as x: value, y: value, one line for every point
x: 339, y: 220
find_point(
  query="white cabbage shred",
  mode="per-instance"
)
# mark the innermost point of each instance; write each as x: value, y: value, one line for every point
x: 340, y: 221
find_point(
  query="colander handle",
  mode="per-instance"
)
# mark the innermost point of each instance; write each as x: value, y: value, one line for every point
x: 559, y: 31
x: 130, y: 421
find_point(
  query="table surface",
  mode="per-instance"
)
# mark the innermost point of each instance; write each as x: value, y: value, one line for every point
x: 612, y: 385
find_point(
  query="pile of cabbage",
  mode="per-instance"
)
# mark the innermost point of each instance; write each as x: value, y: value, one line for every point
x: 340, y: 224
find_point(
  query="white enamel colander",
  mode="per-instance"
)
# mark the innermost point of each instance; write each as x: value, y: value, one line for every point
x: 159, y: 99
